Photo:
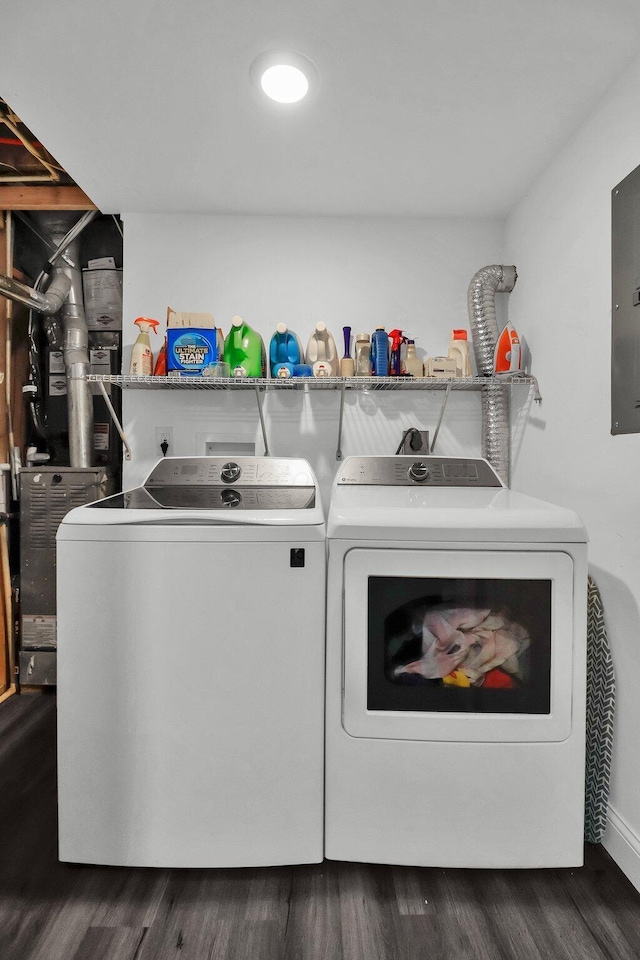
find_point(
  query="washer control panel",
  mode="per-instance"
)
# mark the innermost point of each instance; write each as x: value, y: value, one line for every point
x: 230, y: 472
x: 421, y: 471
x: 242, y: 471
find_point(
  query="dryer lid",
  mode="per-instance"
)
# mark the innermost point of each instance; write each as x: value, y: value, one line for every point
x: 451, y: 505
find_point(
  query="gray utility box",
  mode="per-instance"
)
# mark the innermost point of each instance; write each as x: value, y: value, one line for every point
x: 625, y: 306
x: 47, y: 494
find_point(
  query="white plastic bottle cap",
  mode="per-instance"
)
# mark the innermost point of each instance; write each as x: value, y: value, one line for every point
x: 320, y: 326
x: 281, y: 328
x: 236, y: 321
x: 362, y: 336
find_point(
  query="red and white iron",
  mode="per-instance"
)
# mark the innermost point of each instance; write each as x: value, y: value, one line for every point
x: 507, y: 357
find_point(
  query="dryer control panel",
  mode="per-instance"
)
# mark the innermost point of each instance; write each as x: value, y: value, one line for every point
x: 418, y: 471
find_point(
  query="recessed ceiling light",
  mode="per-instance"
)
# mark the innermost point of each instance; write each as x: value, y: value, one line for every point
x: 284, y: 77
x: 284, y: 83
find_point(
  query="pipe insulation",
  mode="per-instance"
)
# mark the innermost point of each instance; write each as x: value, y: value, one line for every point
x: 496, y: 412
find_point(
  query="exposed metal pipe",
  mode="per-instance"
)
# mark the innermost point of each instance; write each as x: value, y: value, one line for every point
x: 496, y: 419
x: 48, y: 303
x: 64, y: 296
x: 65, y: 262
x: 75, y: 348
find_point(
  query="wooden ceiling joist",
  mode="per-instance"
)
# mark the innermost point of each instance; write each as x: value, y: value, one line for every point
x: 44, y: 198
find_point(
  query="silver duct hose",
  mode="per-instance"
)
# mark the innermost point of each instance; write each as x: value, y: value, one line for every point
x: 496, y: 418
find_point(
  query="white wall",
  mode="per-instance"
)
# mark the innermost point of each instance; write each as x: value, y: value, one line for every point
x: 560, y: 238
x: 406, y: 273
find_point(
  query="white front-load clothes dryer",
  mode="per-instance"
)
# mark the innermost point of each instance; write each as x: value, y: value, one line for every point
x: 191, y: 668
x: 456, y: 648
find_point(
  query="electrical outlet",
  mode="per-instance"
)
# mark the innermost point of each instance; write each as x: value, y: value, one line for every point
x: 164, y: 435
x: 416, y: 441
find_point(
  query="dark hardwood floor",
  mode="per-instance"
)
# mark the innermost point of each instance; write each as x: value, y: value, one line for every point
x: 332, y: 911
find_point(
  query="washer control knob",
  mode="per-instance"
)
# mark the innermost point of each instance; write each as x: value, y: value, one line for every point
x: 418, y: 471
x: 231, y: 498
x: 230, y: 472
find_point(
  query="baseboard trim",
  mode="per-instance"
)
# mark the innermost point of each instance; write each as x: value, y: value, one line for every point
x: 623, y: 845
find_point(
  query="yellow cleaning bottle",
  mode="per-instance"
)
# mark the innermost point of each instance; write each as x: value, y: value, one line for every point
x: 141, y: 355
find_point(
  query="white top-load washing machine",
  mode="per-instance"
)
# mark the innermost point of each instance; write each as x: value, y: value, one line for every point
x: 191, y: 668
x: 455, y: 725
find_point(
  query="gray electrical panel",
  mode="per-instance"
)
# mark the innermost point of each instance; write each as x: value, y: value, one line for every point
x: 625, y: 306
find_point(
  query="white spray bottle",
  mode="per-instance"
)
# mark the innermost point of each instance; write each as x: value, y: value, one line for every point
x: 141, y: 355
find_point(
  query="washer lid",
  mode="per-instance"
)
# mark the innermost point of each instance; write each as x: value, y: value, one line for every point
x: 213, y: 491
x: 235, y: 498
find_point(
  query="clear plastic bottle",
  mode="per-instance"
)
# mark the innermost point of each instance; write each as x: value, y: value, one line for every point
x: 362, y: 355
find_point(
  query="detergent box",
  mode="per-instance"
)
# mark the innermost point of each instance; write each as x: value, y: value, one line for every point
x: 190, y: 349
x: 191, y: 342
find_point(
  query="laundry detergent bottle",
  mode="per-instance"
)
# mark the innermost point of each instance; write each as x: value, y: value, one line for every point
x: 141, y: 355
x: 459, y: 351
x: 244, y: 350
x: 284, y: 352
x: 322, y: 353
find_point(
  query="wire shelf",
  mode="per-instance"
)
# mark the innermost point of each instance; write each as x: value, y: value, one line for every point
x: 314, y: 383
x: 259, y: 386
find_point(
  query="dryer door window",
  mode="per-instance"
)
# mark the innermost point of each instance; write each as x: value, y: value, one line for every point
x: 458, y: 644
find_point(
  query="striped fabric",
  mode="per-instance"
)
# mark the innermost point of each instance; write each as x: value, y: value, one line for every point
x: 601, y: 698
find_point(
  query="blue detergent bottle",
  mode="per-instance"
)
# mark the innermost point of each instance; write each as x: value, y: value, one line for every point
x: 380, y: 352
x: 284, y: 352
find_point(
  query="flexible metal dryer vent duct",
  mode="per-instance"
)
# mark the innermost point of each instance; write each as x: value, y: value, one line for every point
x: 496, y: 420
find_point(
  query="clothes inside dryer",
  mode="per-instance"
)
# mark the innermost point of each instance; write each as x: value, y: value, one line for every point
x: 459, y: 644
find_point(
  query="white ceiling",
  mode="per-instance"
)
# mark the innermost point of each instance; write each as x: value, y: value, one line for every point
x: 425, y: 107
